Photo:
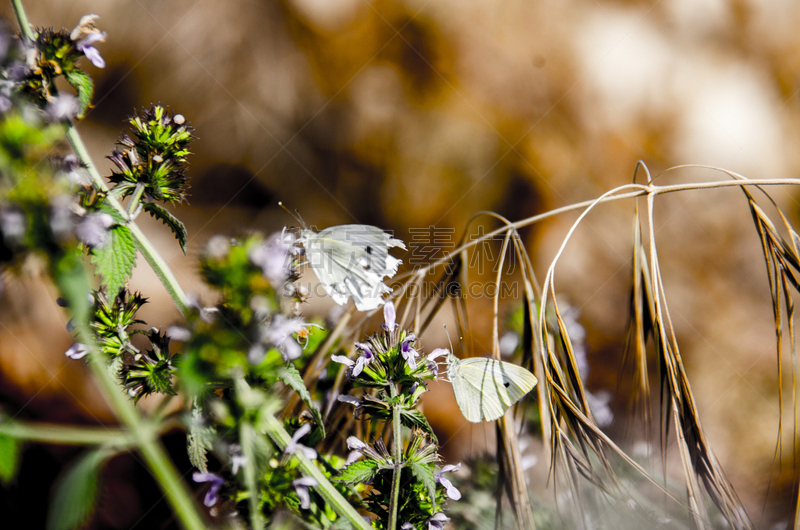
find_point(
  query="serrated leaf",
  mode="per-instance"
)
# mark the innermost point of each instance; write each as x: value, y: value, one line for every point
x: 9, y: 458
x: 115, y: 260
x: 289, y: 375
x: 358, y: 472
x: 174, y: 224
x: 199, y: 440
x: 82, y: 84
x: 414, y: 418
x: 75, y: 492
x: 425, y: 475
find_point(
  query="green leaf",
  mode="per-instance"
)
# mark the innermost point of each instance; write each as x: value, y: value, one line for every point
x: 289, y: 375
x: 414, y: 418
x: 358, y: 472
x: 174, y: 224
x: 200, y: 439
x: 73, y: 284
x: 82, y: 84
x: 115, y: 260
x: 75, y: 492
x: 425, y: 475
x: 9, y: 458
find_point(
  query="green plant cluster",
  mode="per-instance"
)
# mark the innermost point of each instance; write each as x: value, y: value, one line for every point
x: 54, y: 54
x: 155, y: 157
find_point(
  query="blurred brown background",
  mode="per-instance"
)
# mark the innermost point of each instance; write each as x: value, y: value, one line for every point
x: 420, y: 113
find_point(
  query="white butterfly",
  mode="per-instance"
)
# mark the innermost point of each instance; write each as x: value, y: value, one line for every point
x: 352, y: 261
x: 485, y: 388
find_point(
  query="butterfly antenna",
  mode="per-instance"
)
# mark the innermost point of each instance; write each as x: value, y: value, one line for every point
x: 295, y: 214
x: 448, y: 339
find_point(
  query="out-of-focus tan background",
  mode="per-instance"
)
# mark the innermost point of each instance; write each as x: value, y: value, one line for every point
x: 420, y: 113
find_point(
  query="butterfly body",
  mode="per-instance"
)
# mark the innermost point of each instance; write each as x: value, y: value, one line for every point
x: 485, y: 388
x: 352, y: 261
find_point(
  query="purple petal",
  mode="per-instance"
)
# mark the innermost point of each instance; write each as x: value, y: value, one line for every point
x: 343, y: 360
x: 301, y: 486
x: 77, y: 351
x: 350, y: 399
x: 93, y: 55
x: 451, y: 490
x: 360, y: 363
x: 354, y: 444
x: 389, y: 315
x: 438, y: 352
x: 90, y: 39
x: 302, y: 431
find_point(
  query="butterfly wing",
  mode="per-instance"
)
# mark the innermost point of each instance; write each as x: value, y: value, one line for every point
x: 486, y: 388
x: 351, y: 261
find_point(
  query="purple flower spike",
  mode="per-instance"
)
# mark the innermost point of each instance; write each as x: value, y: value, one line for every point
x: 451, y: 490
x: 216, y: 484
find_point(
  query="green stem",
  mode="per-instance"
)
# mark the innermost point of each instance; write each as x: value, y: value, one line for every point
x: 246, y: 436
x: 331, y: 495
x: 397, y: 457
x: 22, y: 19
x: 66, y: 435
x: 133, y: 203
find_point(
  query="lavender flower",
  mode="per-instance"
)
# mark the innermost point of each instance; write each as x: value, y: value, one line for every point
x: 237, y: 458
x: 301, y: 486
x: 207, y: 314
x: 390, y: 317
x: 293, y: 445
x: 75, y: 171
x: 62, y: 217
x: 178, y: 333
x: 216, y: 484
x: 451, y: 490
x: 364, y: 359
x: 86, y: 34
x: 77, y: 351
x: 432, y: 365
x: 437, y: 521
x: 348, y: 399
x: 61, y: 107
x: 407, y: 526
x: 218, y: 247
x: 93, y: 229
x: 409, y: 353
x: 354, y: 444
x: 279, y: 334
x: 274, y: 258
x: 13, y: 224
